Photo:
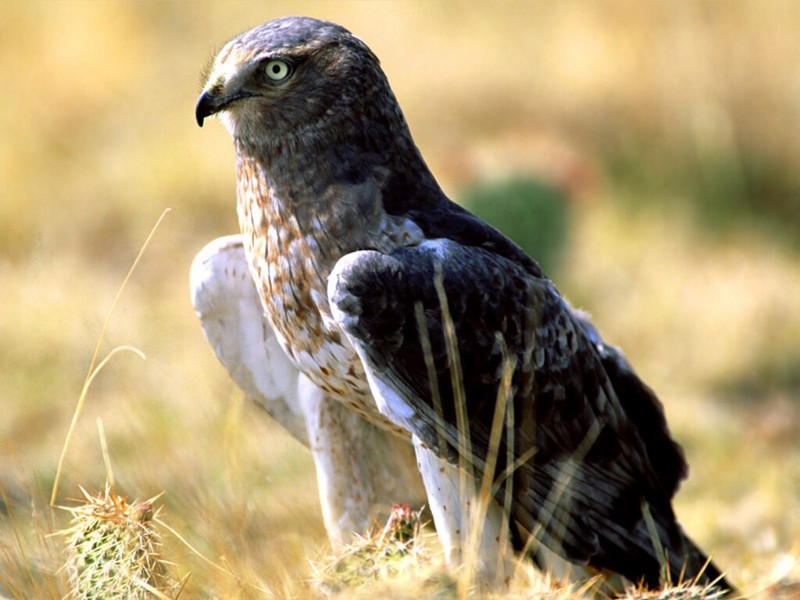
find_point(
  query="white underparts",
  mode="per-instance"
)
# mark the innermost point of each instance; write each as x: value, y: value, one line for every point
x: 469, y: 523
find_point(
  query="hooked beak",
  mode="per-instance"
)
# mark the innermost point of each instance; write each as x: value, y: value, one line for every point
x: 212, y: 101
x: 207, y: 104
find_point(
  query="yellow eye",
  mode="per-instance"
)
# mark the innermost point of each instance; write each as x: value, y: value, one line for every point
x: 277, y: 70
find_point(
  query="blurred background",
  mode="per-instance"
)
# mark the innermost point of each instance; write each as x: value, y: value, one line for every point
x: 647, y: 153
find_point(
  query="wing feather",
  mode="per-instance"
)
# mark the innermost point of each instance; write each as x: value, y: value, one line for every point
x: 588, y: 470
x: 227, y: 304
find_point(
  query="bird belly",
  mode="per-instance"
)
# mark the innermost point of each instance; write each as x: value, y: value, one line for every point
x: 295, y: 301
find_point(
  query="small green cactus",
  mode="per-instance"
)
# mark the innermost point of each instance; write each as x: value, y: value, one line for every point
x: 684, y: 591
x: 114, y: 549
x: 397, y: 551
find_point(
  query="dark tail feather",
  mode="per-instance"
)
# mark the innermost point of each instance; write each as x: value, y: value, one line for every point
x: 700, y: 569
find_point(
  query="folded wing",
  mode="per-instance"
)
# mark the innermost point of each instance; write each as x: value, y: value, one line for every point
x: 593, y: 474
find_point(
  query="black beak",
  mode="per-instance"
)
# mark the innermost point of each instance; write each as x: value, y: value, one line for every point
x: 211, y: 102
x: 207, y: 105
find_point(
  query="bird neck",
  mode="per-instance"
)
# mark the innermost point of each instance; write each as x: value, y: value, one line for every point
x: 370, y: 140
x: 332, y: 200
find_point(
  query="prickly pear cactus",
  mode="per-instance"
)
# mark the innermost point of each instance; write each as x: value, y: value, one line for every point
x: 114, y: 550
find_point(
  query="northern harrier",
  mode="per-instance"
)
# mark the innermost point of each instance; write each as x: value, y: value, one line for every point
x: 431, y: 324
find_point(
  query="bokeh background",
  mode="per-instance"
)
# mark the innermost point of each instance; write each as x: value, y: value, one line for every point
x: 648, y: 152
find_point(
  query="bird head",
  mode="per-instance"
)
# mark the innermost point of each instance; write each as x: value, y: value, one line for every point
x: 289, y: 78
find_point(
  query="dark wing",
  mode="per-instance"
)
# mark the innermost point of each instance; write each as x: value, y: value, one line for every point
x: 441, y: 218
x: 585, y: 470
x: 643, y: 408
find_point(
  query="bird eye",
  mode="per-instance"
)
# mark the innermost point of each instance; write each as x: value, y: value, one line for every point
x: 277, y: 70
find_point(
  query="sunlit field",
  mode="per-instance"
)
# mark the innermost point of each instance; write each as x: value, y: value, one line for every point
x: 670, y: 131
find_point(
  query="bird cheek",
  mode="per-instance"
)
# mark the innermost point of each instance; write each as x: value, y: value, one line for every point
x: 228, y: 121
x: 249, y: 119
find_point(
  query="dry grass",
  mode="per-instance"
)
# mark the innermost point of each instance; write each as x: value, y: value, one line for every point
x: 632, y: 107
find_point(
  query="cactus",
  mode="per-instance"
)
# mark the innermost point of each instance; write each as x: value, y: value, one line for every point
x: 114, y: 548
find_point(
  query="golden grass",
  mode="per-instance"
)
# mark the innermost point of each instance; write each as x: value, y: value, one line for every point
x: 99, y: 138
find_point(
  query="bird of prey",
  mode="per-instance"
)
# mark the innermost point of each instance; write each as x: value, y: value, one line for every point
x: 431, y: 324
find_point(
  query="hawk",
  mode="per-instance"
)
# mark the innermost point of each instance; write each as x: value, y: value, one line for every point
x: 435, y: 327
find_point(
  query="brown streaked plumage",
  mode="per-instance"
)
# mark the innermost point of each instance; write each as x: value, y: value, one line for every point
x: 345, y: 232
